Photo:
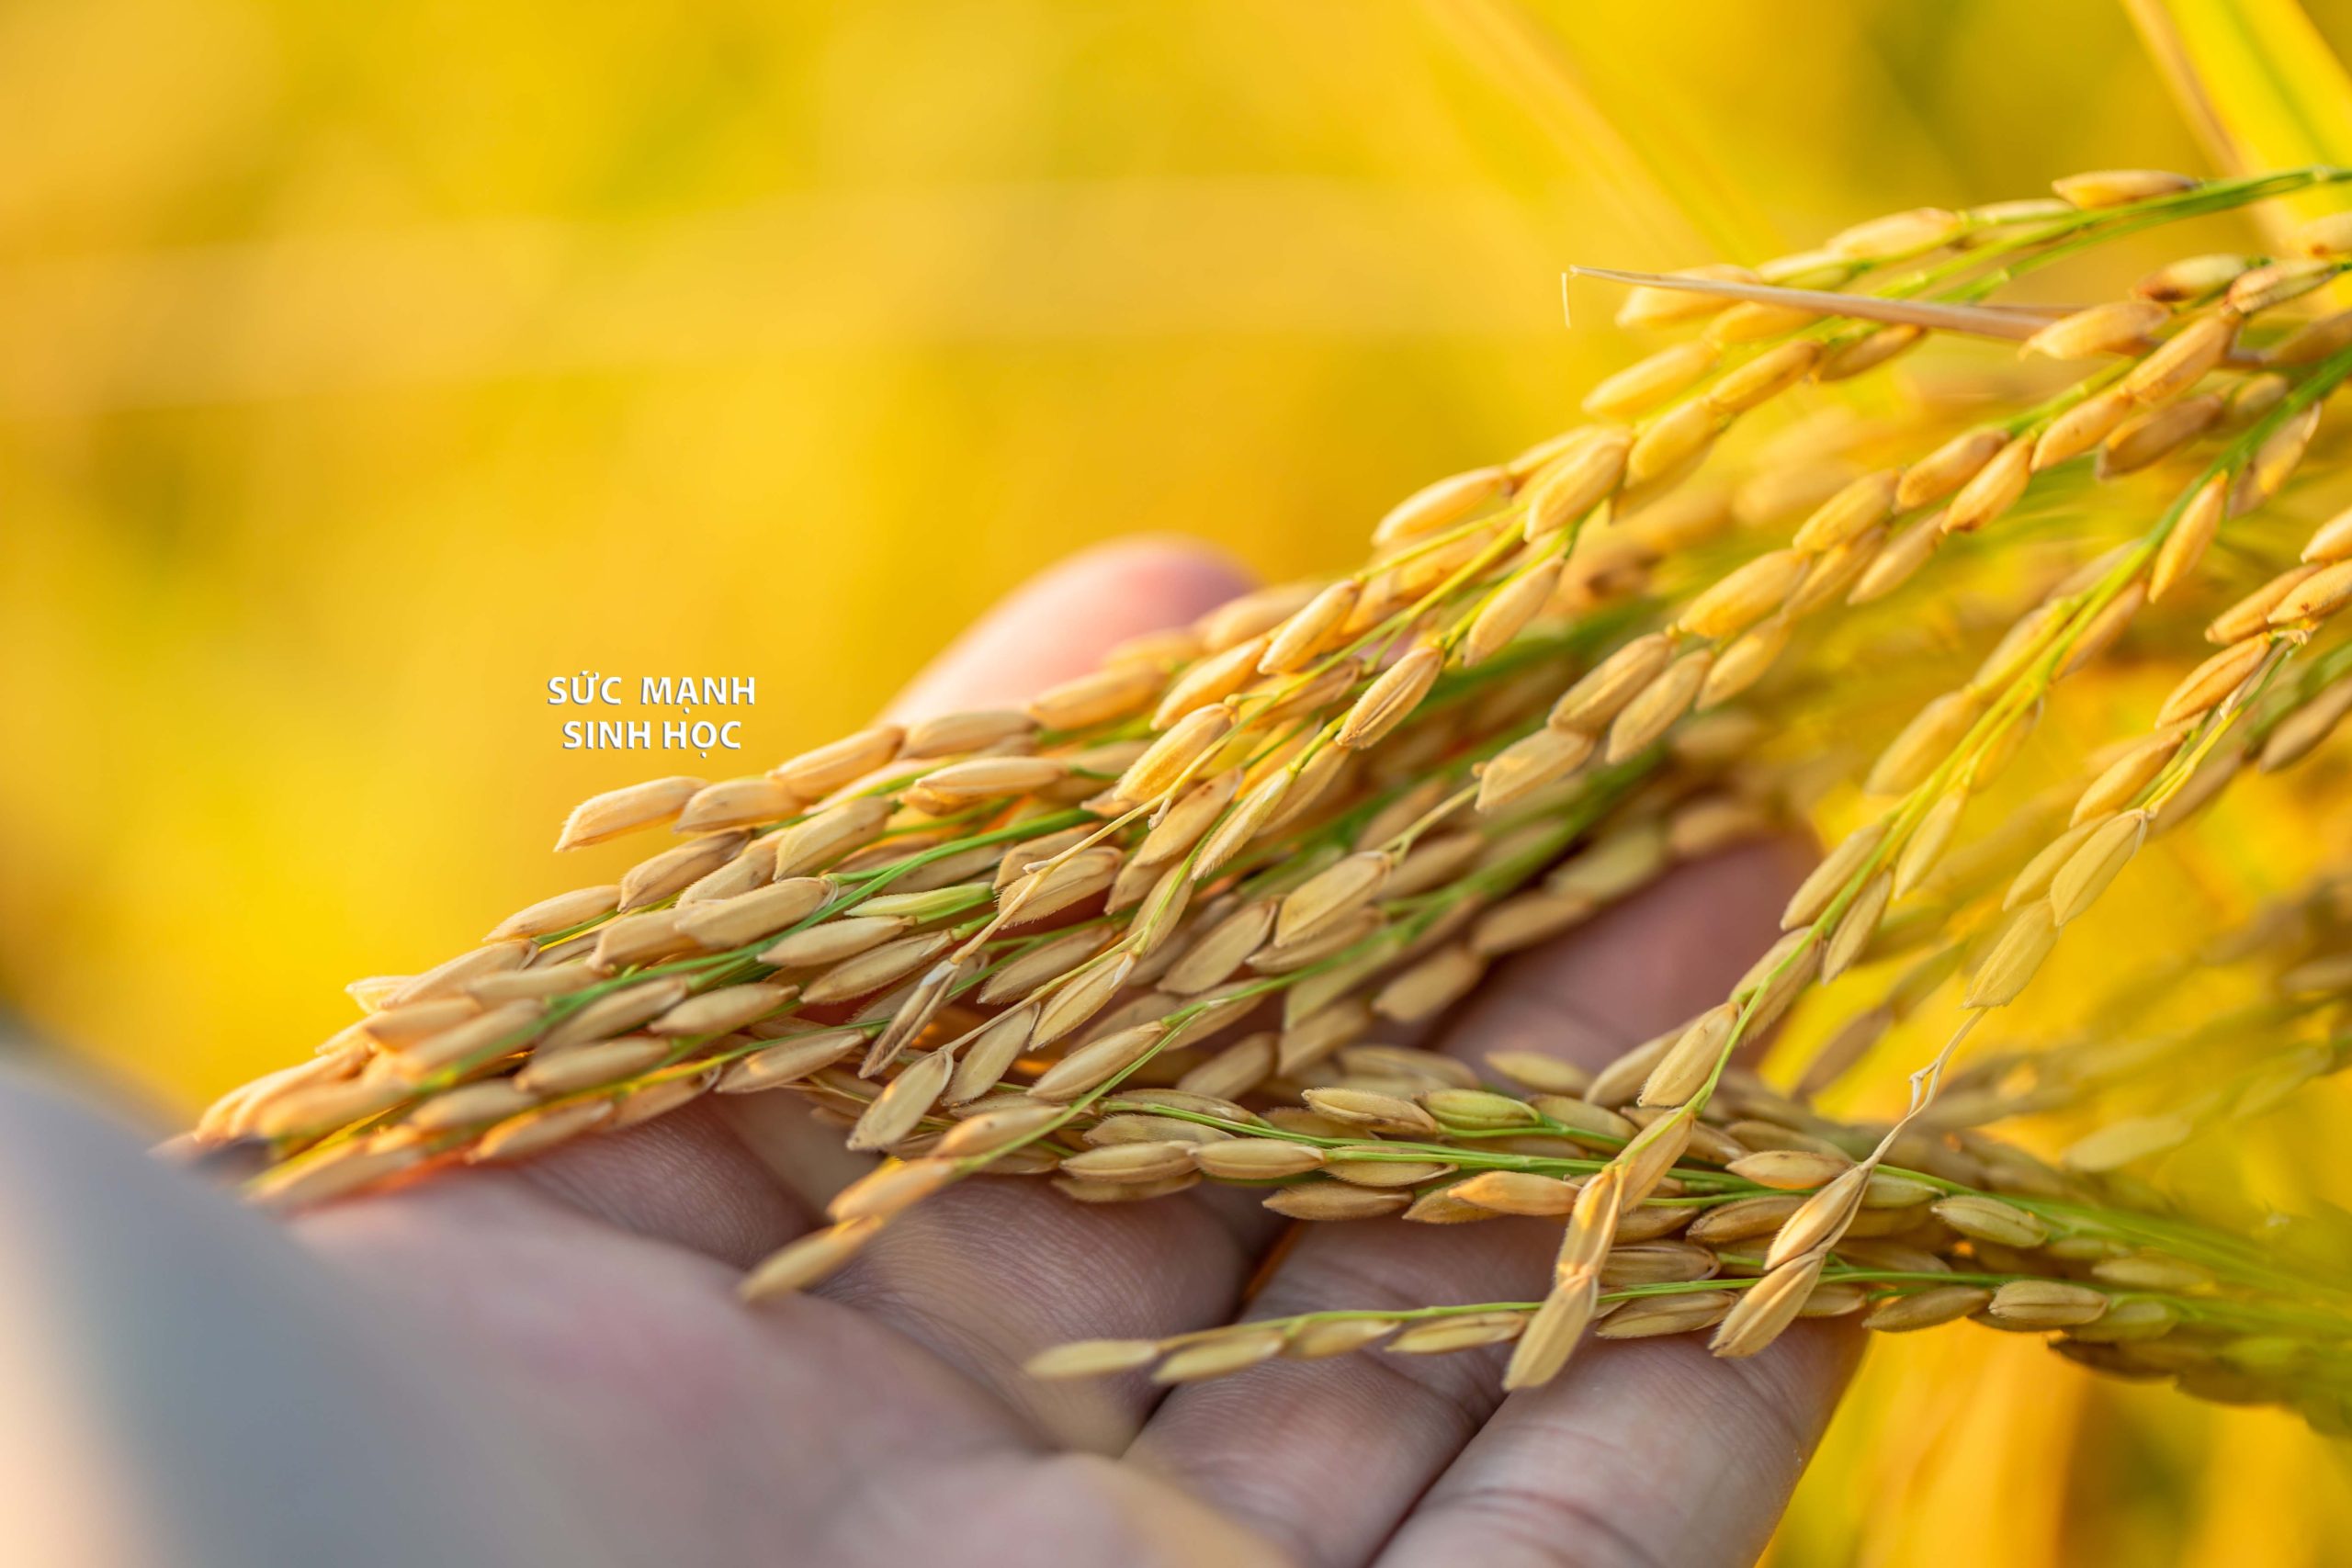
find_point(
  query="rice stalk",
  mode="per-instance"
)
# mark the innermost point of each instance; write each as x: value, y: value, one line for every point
x: 1147, y: 932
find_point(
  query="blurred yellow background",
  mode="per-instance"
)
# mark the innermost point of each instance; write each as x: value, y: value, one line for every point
x: 362, y: 368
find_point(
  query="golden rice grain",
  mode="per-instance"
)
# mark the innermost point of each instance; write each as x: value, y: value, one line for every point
x: 1869, y: 352
x: 2204, y: 688
x: 1746, y: 595
x: 2119, y: 187
x: 1765, y: 377
x: 1231, y: 1350
x: 616, y: 812
x: 2314, y: 597
x: 1516, y: 1192
x: 1765, y: 1308
x: 1742, y: 1219
x: 1373, y: 1111
x: 1577, y: 480
x: 1531, y: 763
x: 2099, y: 860
x: 2117, y: 327
x: 1253, y: 1160
x: 2275, y: 283
x: 1436, y: 507
x: 325, y: 1177
x: 2191, y: 278
x: 2332, y: 541
x: 1326, y: 1201
x: 1859, y: 506
x: 1551, y: 1335
x: 1331, y: 895
x: 308, y: 1108
x: 1315, y: 1340
x: 615, y: 1012
x: 1790, y: 1169
x: 817, y: 772
x: 1653, y: 1151
x: 1948, y: 467
x: 1992, y: 490
x: 410, y: 1021
x: 1827, y: 880
x: 1989, y: 1218
x: 1601, y: 694
x: 2045, y: 1304
x: 2016, y: 956
x: 889, y: 1188
x: 1092, y: 1358
x: 1509, y: 610
x: 1931, y: 735
x: 985, y: 778
x: 825, y: 837
x: 471, y: 1105
x: 1816, y: 1222
x: 2274, y: 462
x: 1650, y: 1316
x: 1675, y: 439
x: 2124, y: 1142
x: 747, y: 917
x: 736, y: 803
x: 1430, y: 987
x: 1095, y: 698
x: 876, y: 969
x: 1928, y: 1308
x: 1755, y: 321
x: 1662, y: 307
x: 1856, y: 927
x: 989, y: 1051
x: 789, y: 1060
x: 953, y: 734
x: 459, y: 974
x: 1898, y: 235
x: 2150, y: 437
x: 2301, y: 731
x: 2081, y: 428
x: 718, y: 1011
x: 1171, y: 757
x: 1464, y: 1332
x: 534, y: 1131
x: 1690, y: 1061
x: 2252, y: 613
x: 1655, y: 708
x: 1894, y: 562
x: 591, y: 1066
x: 1647, y: 383
x: 550, y: 915
x: 1390, y: 699
x: 1097, y: 1063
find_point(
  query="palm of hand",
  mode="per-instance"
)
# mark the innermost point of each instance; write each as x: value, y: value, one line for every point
x: 588, y: 1302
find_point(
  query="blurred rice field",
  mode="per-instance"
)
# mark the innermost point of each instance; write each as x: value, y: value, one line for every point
x: 362, y: 368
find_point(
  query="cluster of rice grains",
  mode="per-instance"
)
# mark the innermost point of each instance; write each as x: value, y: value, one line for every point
x: 1147, y: 931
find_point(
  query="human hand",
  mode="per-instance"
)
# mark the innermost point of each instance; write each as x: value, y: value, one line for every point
x: 549, y: 1363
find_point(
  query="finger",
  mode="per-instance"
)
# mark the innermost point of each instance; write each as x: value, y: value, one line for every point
x: 692, y: 1178
x: 989, y: 1273
x: 1327, y: 1457
x: 1059, y: 625
x: 689, y: 1430
x: 1648, y: 965
x: 1643, y: 1454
